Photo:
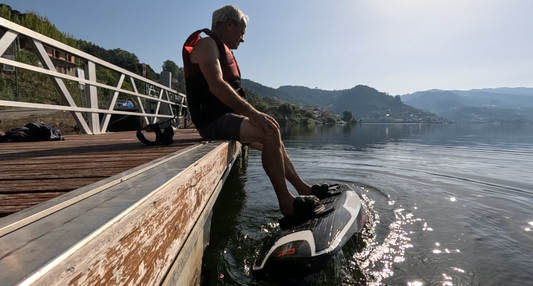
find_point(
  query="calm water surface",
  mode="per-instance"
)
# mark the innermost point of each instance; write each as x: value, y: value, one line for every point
x: 448, y: 205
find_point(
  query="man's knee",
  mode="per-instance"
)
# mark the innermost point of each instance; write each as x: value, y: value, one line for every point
x: 251, y: 133
x: 273, y: 136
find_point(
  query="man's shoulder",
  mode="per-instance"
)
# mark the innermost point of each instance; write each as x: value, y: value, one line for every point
x: 205, y: 48
x: 206, y: 42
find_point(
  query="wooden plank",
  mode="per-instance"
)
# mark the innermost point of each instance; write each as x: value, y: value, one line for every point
x: 139, y: 246
x: 74, y: 164
x: 89, y: 164
x: 78, y: 148
x: 11, y: 203
x: 33, y: 167
x: 30, y: 198
x: 119, y: 154
x: 47, y: 185
x: 140, y: 157
x: 186, y: 269
x: 55, y: 174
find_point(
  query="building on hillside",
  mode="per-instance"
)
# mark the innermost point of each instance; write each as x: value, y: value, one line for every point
x: 64, y: 62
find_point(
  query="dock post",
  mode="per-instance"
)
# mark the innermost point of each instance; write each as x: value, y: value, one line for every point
x: 166, y: 80
x: 91, y: 94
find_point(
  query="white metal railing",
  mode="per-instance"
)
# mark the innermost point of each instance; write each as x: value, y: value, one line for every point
x: 90, y: 122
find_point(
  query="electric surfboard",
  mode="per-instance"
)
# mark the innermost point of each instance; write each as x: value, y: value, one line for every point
x: 304, y: 248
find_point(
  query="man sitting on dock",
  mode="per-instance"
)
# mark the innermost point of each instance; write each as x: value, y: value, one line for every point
x: 220, y: 111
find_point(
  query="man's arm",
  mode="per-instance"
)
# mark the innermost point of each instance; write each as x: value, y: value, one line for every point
x: 206, y: 54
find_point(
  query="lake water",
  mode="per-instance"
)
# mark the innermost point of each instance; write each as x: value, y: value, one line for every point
x: 447, y: 204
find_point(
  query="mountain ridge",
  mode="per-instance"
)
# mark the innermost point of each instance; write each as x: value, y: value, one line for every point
x: 363, y: 101
x: 489, y: 105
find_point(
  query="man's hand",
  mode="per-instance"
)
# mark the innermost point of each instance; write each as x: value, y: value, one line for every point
x: 264, y: 121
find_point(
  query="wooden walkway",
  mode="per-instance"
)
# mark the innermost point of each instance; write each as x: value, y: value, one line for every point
x: 34, y: 172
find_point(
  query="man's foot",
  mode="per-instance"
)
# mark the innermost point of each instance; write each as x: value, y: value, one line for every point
x: 286, y: 207
x: 307, y: 207
x: 325, y: 191
x: 320, y: 190
x: 305, y: 191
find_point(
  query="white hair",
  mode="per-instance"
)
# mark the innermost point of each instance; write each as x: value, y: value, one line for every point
x: 229, y: 12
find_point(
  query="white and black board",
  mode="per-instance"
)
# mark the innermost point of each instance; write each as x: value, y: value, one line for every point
x: 304, y: 248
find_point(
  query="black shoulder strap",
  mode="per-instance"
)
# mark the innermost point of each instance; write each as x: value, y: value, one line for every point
x: 158, y: 135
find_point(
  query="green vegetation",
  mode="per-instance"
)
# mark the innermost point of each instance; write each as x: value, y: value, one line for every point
x: 477, y: 106
x: 27, y: 85
x: 39, y: 24
x: 370, y: 105
x: 285, y: 112
x: 348, y: 117
x: 35, y: 87
x: 365, y: 104
x: 289, y: 104
x: 178, y: 76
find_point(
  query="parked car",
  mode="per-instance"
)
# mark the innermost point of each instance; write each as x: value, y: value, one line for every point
x: 124, y: 104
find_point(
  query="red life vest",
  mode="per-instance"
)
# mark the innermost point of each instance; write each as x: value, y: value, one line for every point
x: 204, y: 106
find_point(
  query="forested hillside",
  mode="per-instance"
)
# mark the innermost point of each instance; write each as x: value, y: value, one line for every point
x: 286, y: 102
x: 268, y: 91
x: 117, y: 56
x: 312, y: 96
x: 477, y: 106
x: 374, y: 106
x: 363, y: 102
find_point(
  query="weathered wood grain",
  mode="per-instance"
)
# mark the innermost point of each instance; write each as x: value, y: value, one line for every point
x: 60, y: 166
x: 139, y: 246
x: 31, y: 186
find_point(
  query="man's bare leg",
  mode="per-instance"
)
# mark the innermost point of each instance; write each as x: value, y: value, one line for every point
x: 273, y: 161
x: 290, y: 172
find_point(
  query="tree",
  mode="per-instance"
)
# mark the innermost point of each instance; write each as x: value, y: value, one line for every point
x: 300, y: 111
x: 124, y: 59
x: 5, y: 12
x: 177, y: 74
x: 170, y: 66
x: 329, y: 120
x: 347, y: 116
x: 286, y: 109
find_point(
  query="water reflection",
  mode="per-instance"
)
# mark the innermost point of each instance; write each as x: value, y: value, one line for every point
x: 448, y: 204
x: 224, y: 225
x: 373, y: 135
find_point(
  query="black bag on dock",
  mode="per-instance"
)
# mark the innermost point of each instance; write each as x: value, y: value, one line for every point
x: 32, y: 132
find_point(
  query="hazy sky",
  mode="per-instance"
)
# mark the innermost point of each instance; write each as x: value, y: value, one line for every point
x: 395, y: 46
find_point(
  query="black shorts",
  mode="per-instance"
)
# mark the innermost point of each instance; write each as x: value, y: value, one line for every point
x: 227, y: 127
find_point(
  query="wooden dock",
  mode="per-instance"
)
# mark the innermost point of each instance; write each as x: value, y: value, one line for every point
x: 105, y: 209
x: 141, y: 216
x: 34, y: 172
